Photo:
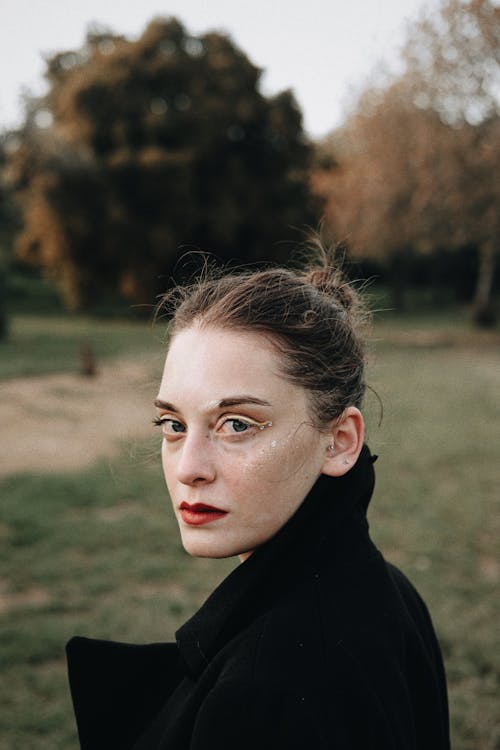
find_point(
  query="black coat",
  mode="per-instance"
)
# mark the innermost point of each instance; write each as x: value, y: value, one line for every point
x: 314, y: 642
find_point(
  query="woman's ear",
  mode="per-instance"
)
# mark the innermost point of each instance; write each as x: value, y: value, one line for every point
x: 345, y: 436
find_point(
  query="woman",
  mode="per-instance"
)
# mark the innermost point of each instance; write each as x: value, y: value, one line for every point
x: 313, y: 641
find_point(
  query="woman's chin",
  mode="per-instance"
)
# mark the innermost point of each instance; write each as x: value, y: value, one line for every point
x: 208, y: 548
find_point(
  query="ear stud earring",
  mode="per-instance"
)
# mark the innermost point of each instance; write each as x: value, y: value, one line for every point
x: 331, y: 449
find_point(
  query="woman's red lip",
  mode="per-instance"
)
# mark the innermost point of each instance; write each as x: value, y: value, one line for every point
x: 200, y: 508
x: 198, y: 514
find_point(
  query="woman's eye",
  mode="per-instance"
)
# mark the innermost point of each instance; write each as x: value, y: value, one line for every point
x: 234, y: 425
x: 169, y: 425
x: 238, y: 425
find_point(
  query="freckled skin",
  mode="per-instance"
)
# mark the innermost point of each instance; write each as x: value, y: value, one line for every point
x: 259, y: 477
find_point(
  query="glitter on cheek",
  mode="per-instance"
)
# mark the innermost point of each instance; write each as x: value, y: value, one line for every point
x: 264, y: 460
x: 276, y: 459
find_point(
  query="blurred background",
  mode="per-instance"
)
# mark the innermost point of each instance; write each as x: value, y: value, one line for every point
x: 133, y: 136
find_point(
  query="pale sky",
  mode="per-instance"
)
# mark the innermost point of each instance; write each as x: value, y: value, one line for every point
x: 322, y: 49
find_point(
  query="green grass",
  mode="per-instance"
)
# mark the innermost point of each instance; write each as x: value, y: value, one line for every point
x: 47, y: 344
x: 437, y: 511
x: 97, y: 553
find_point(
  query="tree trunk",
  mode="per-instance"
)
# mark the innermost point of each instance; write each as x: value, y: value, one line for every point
x: 398, y: 280
x: 484, y: 313
x: 4, y: 328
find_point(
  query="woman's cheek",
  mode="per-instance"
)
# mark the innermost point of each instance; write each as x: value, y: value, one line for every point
x: 270, y: 462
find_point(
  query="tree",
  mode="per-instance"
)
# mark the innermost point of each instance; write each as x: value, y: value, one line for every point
x: 372, y: 193
x: 453, y: 62
x: 8, y: 225
x: 417, y: 161
x: 153, y: 145
x: 453, y: 57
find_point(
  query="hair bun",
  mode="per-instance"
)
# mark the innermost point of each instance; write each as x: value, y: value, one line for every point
x: 330, y: 281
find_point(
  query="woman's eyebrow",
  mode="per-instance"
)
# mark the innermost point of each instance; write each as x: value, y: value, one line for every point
x: 244, y: 399
x: 164, y: 405
x: 225, y: 403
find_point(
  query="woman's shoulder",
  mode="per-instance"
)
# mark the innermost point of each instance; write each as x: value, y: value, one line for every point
x: 345, y: 626
x: 117, y: 688
x: 301, y: 630
x: 361, y: 645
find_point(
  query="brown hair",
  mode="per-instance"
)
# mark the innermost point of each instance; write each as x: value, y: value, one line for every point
x: 311, y: 316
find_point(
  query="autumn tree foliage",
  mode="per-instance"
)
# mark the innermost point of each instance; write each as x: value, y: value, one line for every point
x: 7, y: 230
x: 149, y: 147
x: 372, y: 189
x: 417, y: 162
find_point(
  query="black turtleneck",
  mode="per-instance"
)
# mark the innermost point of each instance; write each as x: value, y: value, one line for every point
x: 314, y: 641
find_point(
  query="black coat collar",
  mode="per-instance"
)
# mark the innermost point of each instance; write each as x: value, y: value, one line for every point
x: 332, y: 505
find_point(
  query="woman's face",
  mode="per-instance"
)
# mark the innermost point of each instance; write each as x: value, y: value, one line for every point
x: 239, y: 450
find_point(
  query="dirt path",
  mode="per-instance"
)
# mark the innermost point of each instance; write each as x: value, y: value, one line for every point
x: 65, y: 421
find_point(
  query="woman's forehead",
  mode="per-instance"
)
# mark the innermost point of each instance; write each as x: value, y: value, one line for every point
x: 211, y: 365
x: 215, y: 346
x: 199, y: 331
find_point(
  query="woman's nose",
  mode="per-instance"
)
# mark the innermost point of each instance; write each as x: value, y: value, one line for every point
x: 196, y: 461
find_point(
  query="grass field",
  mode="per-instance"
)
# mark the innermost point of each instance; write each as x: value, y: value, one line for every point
x: 97, y: 552
x: 46, y: 344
